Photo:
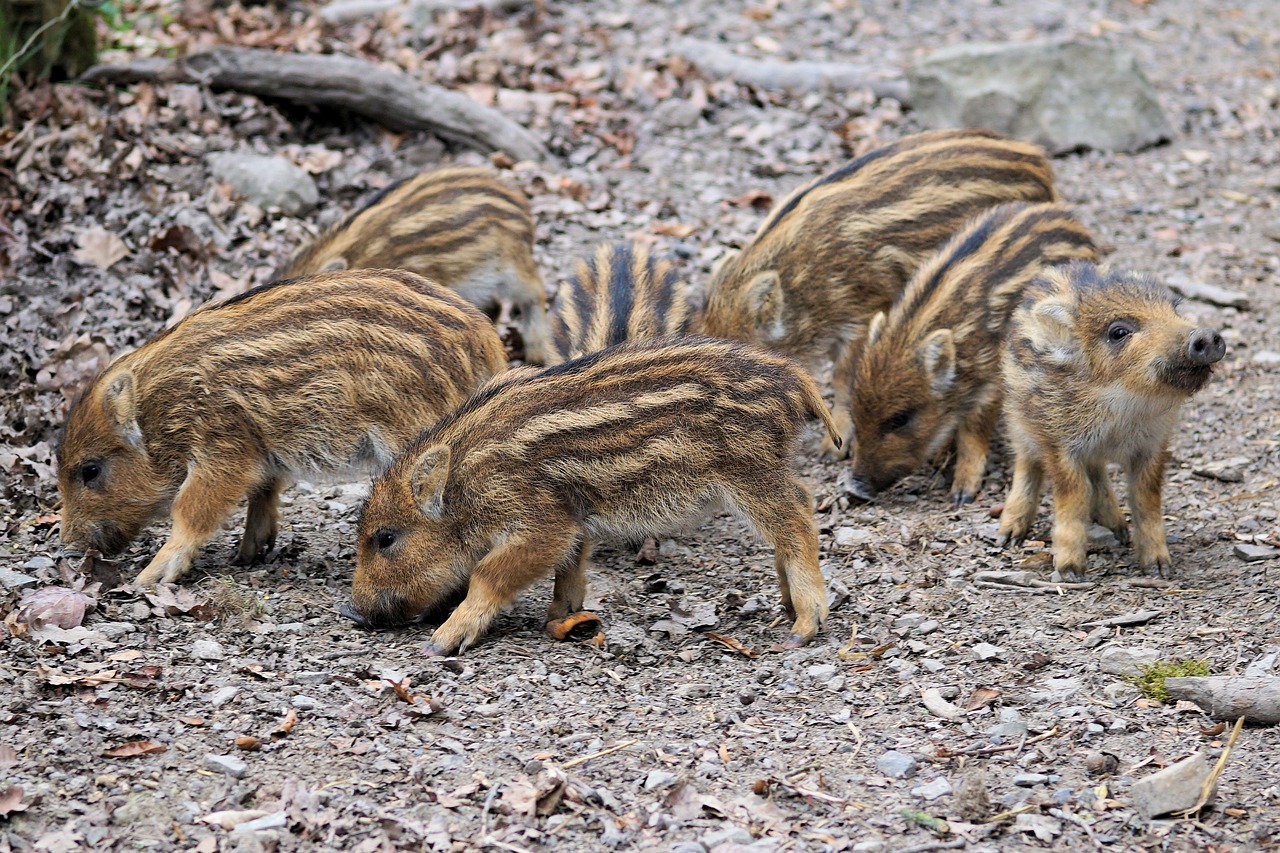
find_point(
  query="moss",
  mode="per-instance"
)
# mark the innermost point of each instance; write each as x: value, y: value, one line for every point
x: 1151, y: 680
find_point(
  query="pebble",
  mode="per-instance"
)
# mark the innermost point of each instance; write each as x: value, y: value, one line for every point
x: 822, y: 671
x: 312, y: 677
x: 688, y: 847
x: 910, y: 620
x: 849, y: 537
x: 1009, y: 732
x: 897, y: 765
x: 1254, y: 553
x: 266, y: 180
x: 1101, y: 537
x: 228, y: 764
x: 928, y: 627
x: 1030, y: 780
x: 39, y: 562
x: 869, y: 847
x: 939, y: 787
x: 1126, y: 660
x: 932, y: 665
x: 1062, y: 796
x: 986, y: 651
x: 1265, y: 357
x: 728, y: 835
x: 1174, y: 788
x: 658, y: 779
x: 222, y: 696
x: 9, y: 579
x: 208, y: 650
x: 304, y: 703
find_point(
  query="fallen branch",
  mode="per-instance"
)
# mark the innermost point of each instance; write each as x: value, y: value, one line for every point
x: 583, y: 759
x: 385, y: 95
x: 804, y: 76
x: 415, y: 11
x: 1228, y: 697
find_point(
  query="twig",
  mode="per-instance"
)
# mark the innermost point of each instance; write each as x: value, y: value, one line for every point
x: 1014, y: 812
x: 1211, y: 782
x: 992, y: 750
x: 954, y: 844
x: 488, y: 804
x: 1080, y: 822
x: 583, y: 759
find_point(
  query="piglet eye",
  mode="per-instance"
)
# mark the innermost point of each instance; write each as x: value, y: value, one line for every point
x: 1118, y: 331
x: 90, y: 472
x: 897, y: 421
x: 384, y: 539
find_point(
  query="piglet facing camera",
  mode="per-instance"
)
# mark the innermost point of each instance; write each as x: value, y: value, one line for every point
x: 1097, y: 366
x: 314, y: 377
x: 644, y: 436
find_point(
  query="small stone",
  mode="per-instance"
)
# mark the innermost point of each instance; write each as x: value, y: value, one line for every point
x: 9, y: 579
x: 728, y: 835
x: 39, y: 562
x: 1172, y: 789
x: 312, y: 677
x: 909, y: 620
x: 939, y: 787
x: 850, y: 537
x: 897, y: 765
x: 677, y: 112
x: 986, y: 651
x: 228, y: 764
x: 1124, y: 660
x: 693, y: 691
x: 1101, y: 763
x: 1009, y: 732
x: 1101, y: 537
x: 1224, y: 470
x: 222, y: 696
x: 1254, y: 553
x: 207, y: 650
x: 688, y: 847
x: 1267, y: 357
x: 925, y: 628
x: 932, y: 665
x: 869, y: 847
x: 1030, y: 780
x: 658, y: 779
x: 822, y: 671
x: 266, y: 180
x: 304, y: 703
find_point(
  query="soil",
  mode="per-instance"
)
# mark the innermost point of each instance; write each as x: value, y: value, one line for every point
x: 659, y: 734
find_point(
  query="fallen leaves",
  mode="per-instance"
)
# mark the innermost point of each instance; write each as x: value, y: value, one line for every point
x: 72, y: 363
x: 678, y: 230
x: 57, y: 606
x: 11, y: 801
x: 100, y: 248
x: 135, y: 748
x: 172, y: 600
x: 730, y: 643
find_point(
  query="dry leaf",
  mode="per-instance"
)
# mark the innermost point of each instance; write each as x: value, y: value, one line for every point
x: 99, y: 247
x: 249, y: 743
x: 76, y: 360
x: 559, y: 629
x: 981, y: 698
x: 171, y: 600
x: 11, y: 800
x: 8, y: 756
x: 54, y: 605
x: 134, y: 748
x: 758, y: 199
x: 286, y: 725
x: 673, y: 229
x: 730, y: 643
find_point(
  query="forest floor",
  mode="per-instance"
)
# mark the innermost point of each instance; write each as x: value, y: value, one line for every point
x: 661, y: 736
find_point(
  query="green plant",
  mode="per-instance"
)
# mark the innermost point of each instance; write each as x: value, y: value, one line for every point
x: 1150, y: 682
x: 48, y: 39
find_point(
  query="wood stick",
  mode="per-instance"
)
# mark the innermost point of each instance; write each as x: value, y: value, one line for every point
x: 389, y: 97
x: 1228, y: 697
x: 583, y: 759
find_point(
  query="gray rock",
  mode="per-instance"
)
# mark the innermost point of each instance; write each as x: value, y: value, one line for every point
x: 869, y: 847
x: 986, y: 651
x: 897, y: 765
x: 228, y: 764
x: 222, y: 696
x: 822, y: 671
x: 688, y: 847
x: 1172, y: 789
x: 1062, y: 94
x: 1210, y: 293
x: 677, y: 112
x: 207, y: 650
x: 10, y: 579
x: 926, y: 628
x: 39, y: 562
x: 304, y: 703
x: 850, y: 537
x: 1253, y: 553
x: 1225, y: 470
x: 728, y: 835
x: 658, y: 779
x: 1124, y: 660
x: 939, y: 787
x: 1030, y: 780
x: 266, y: 180
x: 1009, y: 732
x: 909, y: 620
x: 1265, y: 357
x: 1101, y: 537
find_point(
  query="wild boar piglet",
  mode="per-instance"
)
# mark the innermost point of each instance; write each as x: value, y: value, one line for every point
x: 312, y: 377
x: 839, y: 250
x: 461, y: 227
x: 640, y: 437
x: 1097, y: 366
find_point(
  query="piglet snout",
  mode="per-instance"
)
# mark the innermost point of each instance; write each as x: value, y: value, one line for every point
x: 1205, y: 346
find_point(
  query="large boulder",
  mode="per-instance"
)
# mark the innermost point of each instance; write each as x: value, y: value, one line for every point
x: 1064, y: 95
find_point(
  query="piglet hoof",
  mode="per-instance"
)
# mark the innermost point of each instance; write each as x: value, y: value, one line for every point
x: 1067, y: 575
x: 795, y: 641
x: 435, y: 650
x: 1161, y: 569
x: 959, y: 499
x: 345, y: 609
x: 560, y: 629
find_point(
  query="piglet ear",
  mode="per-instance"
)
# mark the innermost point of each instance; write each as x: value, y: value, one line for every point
x: 876, y: 327
x: 430, y: 473
x: 764, y: 296
x: 938, y: 357
x: 122, y: 407
x: 1051, y: 321
x: 336, y: 265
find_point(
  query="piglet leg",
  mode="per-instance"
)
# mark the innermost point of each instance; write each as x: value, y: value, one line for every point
x: 207, y: 497
x: 1146, y: 482
x: 261, y: 523
x: 509, y: 568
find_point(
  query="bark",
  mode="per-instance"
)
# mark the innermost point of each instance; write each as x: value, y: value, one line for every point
x: 1228, y: 697
x: 389, y: 97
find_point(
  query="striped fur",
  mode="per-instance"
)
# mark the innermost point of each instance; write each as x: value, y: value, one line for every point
x: 516, y: 483
x: 840, y: 249
x: 930, y: 370
x: 304, y: 377
x: 461, y: 227
x: 621, y: 293
x: 1096, y: 366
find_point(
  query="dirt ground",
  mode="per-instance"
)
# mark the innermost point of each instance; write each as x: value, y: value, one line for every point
x: 661, y: 737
